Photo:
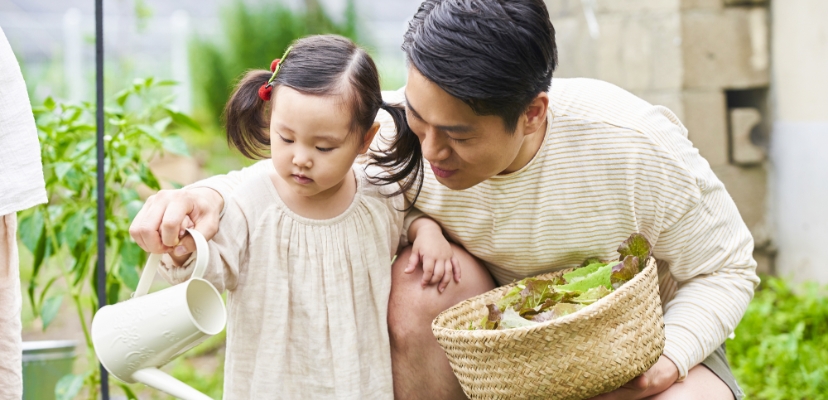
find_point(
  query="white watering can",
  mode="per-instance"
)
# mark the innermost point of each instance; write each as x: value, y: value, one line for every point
x: 135, y: 337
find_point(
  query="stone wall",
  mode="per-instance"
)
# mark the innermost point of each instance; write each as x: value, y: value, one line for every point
x: 707, y: 60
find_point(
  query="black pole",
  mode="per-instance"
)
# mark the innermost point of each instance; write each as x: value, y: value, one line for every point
x: 101, y: 270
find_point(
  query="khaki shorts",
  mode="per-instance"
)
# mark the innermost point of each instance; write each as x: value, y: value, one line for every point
x: 717, y: 363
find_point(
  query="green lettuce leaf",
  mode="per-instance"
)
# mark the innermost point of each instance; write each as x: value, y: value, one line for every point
x: 557, y: 311
x: 638, y: 246
x: 592, y: 295
x: 581, y: 272
x: 511, y: 319
x: 600, y: 277
x: 511, y: 297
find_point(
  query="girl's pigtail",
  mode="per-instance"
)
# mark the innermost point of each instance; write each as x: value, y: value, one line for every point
x: 403, y: 159
x: 246, y: 116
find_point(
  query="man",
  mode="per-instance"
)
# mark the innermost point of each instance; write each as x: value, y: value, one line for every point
x: 21, y: 187
x: 529, y: 179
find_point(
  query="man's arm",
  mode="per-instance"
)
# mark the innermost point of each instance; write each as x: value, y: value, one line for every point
x: 158, y: 227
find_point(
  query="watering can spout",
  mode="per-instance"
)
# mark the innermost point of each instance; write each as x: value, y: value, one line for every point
x: 155, y: 378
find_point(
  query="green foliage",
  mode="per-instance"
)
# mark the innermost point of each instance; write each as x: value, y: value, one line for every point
x: 62, y: 235
x: 781, y: 346
x: 254, y: 35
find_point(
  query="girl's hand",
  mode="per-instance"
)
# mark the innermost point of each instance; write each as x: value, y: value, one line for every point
x: 431, y: 250
x: 180, y: 253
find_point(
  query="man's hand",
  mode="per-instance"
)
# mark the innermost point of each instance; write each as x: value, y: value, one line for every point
x: 654, y: 381
x: 158, y: 227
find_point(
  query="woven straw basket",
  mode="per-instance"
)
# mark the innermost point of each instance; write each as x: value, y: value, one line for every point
x: 592, y: 351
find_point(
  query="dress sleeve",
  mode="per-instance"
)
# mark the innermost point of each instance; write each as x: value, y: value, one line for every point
x: 226, y: 184
x: 228, y: 253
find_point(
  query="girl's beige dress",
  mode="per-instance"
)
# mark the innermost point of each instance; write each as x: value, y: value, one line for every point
x: 307, y: 299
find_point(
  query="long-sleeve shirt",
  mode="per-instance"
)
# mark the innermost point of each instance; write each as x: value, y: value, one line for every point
x: 610, y: 164
x: 21, y: 171
x: 307, y: 299
x: 21, y: 187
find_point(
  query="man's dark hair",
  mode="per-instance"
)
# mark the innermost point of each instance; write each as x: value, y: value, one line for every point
x: 494, y: 55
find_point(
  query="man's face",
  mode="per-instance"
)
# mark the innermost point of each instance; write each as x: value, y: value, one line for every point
x: 462, y: 147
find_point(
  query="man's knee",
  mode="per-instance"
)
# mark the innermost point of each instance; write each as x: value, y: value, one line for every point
x: 411, y: 307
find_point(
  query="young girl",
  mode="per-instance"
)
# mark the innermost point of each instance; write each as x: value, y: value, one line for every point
x: 305, y: 246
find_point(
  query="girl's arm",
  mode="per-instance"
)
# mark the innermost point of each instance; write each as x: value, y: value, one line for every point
x: 156, y: 227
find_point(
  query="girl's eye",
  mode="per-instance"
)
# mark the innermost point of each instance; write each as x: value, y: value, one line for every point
x: 325, y: 149
x: 285, y: 140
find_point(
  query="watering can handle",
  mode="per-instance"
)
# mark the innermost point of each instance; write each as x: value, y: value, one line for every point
x: 202, y: 257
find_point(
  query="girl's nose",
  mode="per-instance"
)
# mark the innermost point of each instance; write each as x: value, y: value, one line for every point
x: 302, y: 159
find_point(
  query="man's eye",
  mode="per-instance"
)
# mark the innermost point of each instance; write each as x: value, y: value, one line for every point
x: 285, y: 140
x: 457, y: 140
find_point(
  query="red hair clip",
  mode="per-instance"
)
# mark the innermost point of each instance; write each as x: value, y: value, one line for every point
x: 266, y: 90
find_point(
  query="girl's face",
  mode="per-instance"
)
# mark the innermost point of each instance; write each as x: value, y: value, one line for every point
x: 311, y: 145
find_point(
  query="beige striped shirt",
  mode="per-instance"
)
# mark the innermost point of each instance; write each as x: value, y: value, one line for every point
x: 611, y: 164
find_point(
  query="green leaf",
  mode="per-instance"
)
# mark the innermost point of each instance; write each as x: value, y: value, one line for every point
x: 49, y: 103
x: 592, y: 295
x: 73, y: 228
x: 557, y: 311
x: 31, y: 228
x: 600, y: 276
x: 113, y: 291
x: 636, y: 245
x: 511, y: 297
x: 49, y: 309
x: 183, y: 119
x: 580, y: 273
x: 175, y: 144
x: 148, y: 178
x: 150, y: 131
x: 624, y: 271
x: 69, y: 386
x: 511, y: 319
x: 131, y: 257
x: 162, y: 124
x: 128, y: 392
x: 167, y: 82
x: 40, y: 253
x: 61, y: 168
x: 133, y: 207
x: 122, y: 96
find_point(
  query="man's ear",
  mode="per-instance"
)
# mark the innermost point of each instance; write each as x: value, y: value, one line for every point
x: 536, y: 113
x: 369, y: 137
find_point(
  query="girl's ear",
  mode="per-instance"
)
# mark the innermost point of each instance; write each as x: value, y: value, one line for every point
x: 369, y: 137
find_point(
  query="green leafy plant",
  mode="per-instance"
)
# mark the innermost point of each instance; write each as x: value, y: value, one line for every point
x: 251, y: 37
x: 62, y: 234
x: 780, y: 350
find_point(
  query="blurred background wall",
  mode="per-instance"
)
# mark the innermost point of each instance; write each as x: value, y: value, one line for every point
x: 747, y: 78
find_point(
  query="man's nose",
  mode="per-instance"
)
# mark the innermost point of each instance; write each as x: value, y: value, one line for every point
x: 434, y: 147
